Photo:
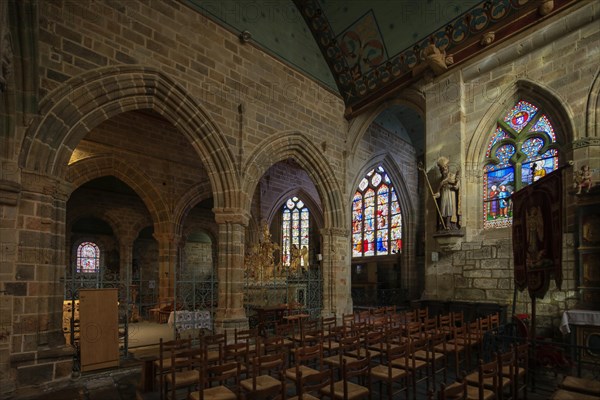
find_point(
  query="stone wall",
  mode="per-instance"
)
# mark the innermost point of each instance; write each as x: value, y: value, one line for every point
x: 555, y: 66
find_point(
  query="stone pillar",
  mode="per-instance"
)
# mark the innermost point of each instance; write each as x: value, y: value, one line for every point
x: 230, y: 270
x: 337, y: 280
x: 168, y: 246
x: 34, y: 270
x: 10, y: 192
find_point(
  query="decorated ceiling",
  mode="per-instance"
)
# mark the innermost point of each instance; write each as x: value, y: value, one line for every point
x: 367, y: 50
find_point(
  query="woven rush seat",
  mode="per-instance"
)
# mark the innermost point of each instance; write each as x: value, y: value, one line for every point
x: 263, y: 382
x: 562, y: 394
x: 582, y: 385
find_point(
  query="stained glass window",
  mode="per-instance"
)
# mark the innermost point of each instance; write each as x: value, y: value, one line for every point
x: 376, y: 217
x: 294, y: 230
x: 88, y: 258
x: 522, y: 150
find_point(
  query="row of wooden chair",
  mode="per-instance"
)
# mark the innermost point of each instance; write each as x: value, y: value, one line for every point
x: 502, y: 378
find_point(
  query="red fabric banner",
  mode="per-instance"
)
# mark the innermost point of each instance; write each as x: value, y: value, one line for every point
x: 537, y: 235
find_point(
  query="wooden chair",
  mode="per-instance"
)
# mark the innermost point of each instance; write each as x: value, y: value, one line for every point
x: 182, y: 372
x: 445, y: 323
x: 267, y: 380
x: 347, y: 345
x: 308, y: 360
x: 214, y: 347
x: 483, y: 383
x: 387, y: 373
x: 455, y: 391
x: 419, y: 368
x: 331, y: 341
x: 162, y: 365
x: 249, y: 336
x: 310, y: 386
x: 215, y: 382
x: 422, y: 314
x: 348, y: 319
x: 458, y: 345
x: 240, y: 353
x: 438, y: 359
x: 355, y: 383
x: 507, y: 366
x: 327, y: 323
x: 458, y: 318
x: 522, y: 368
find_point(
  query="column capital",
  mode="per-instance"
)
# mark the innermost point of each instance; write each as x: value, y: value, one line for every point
x: 335, y: 231
x: 9, y: 192
x: 166, y: 237
x: 231, y: 215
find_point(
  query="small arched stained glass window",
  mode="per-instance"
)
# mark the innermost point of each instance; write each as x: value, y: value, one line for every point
x: 376, y: 216
x: 88, y: 258
x: 295, y: 231
x: 522, y: 150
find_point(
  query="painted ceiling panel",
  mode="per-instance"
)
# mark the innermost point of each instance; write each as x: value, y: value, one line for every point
x: 367, y: 50
x: 401, y: 22
x: 276, y: 26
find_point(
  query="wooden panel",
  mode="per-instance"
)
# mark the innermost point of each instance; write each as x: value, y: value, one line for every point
x: 99, y: 334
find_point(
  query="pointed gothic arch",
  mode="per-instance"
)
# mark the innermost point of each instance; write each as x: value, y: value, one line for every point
x: 84, y: 101
x: 297, y: 146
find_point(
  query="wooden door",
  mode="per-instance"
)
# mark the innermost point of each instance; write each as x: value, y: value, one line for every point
x: 99, y: 328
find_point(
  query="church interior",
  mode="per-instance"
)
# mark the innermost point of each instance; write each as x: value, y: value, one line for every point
x: 417, y: 175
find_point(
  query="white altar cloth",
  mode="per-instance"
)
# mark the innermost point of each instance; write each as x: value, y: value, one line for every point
x: 184, y: 320
x: 578, y: 317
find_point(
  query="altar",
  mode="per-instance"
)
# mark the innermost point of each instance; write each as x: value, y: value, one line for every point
x: 188, y: 320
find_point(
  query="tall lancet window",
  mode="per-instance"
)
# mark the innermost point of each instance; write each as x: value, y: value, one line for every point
x: 295, y: 230
x: 376, y: 216
x: 88, y: 258
x: 522, y: 150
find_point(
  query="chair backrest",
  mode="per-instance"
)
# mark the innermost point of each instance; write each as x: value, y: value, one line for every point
x: 239, y: 352
x: 506, y: 366
x: 270, y: 364
x: 219, y: 375
x: 245, y: 335
x: 458, y: 318
x: 414, y: 329
x: 165, y: 347
x: 350, y: 343
x: 423, y: 314
x: 494, y: 320
x: 313, y: 383
x: 347, y: 319
x: 359, y: 370
x: 488, y: 371
x: 456, y: 391
x: 396, y: 354
x: 327, y: 322
x: 445, y: 322
x: 430, y: 325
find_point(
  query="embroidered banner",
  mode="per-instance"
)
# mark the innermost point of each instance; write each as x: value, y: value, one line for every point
x: 537, y: 235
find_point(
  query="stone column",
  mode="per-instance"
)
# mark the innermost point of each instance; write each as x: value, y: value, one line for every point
x: 230, y: 269
x: 34, y: 285
x: 168, y: 247
x: 337, y: 297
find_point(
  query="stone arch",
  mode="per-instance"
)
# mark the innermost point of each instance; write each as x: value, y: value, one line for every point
x: 315, y: 210
x: 557, y: 110
x: 593, y: 108
x: 195, y: 195
x: 84, y: 101
x: 98, y: 166
x: 410, y: 98
x: 298, y: 147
